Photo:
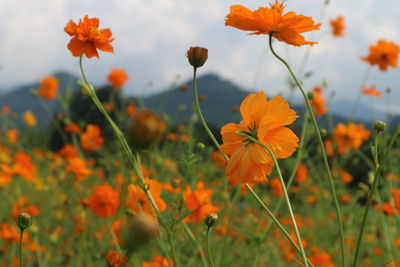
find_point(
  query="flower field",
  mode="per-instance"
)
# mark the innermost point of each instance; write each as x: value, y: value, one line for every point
x: 109, y: 182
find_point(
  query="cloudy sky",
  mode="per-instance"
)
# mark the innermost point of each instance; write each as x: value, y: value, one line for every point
x: 152, y: 36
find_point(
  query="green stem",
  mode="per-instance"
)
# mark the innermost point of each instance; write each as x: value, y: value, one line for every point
x: 191, y: 236
x: 377, y: 172
x: 208, y: 247
x: 325, y: 158
x: 20, y: 247
x: 358, y: 99
x: 293, y: 173
x: 275, y: 220
x: 285, y: 194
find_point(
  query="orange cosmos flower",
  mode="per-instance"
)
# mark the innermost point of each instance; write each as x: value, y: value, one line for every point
x: 158, y: 261
x: 104, y: 201
x: 264, y: 120
x: 117, y: 78
x: 68, y: 151
x: 286, y: 27
x: 371, y: 91
x: 12, y: 136
x: 343, y: 175
x: 384, y: 54
x: 24, y: 167
x: 29, y: 118
x: 116, y: 259
x: 91, y: 140
x: 22, y: 205
x: 396, y: 198
x: 87, y: 37
x: 72, y: 127
x: 78, y: 167
x: 199, y: 202
x: 301, y: 174
x: 276, y: 187
x: 48, y: 87
x: 349, y: 137
x: 318, y: 102
x: 338, y: 26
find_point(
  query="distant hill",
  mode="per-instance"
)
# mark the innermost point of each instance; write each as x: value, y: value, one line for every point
x: 20, y: 99
x: 220, y: 97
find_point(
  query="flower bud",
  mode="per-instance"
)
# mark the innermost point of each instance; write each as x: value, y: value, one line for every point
x: 380, y: 126
x: 323, y: 132
x: 310, y: 95
x: 23, y: 221
x: 211, y: 220
x: 200, y: 147
x: 197, y: 56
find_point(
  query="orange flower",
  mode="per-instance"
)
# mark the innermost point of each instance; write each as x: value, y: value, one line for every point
x: 349, y: 137
x: 12, y: 136
x: 271, y: 20
x: 21, y: 205
x: 24, y: 167
x: 337, y: 26
x: 72, y: 127
x: 218, y: 159
x: 396, y: 198
x: 87, y: 37
x: 137, y: 199
x: 329, y: 148
x: 48, y: 87
x: 104, y: 201
x: 91, y: 140
x: 78, y: 167
x: 343, y: 175
x: 117, y: 78
x: 199, y: 202
x: 131, y: 110
x: 301, y: 174
x: 158, y: 261
x: 116, y: 259
x: 276, y: 187
x: 29, y: 118
x: 384, y: 54
x: 264, y: 120
x: 68, y: 151
x: 318, y: 102
x: 371, y: 91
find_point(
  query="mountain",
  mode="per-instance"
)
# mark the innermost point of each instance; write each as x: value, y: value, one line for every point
x: 20, y: 99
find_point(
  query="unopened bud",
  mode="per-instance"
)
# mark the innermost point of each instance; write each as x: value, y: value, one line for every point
x: 310, y: 95
x: 23, y: 220
x: 200, y: 147
x: 211, y: 220
x: 324, y: 132
x: 380, y: 126
x: 197, y: 56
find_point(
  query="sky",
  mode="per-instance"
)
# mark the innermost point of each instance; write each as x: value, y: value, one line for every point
x: 152, y: 37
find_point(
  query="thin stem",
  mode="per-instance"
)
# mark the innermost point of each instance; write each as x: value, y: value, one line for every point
x: 191, y: 236
x: 358, y: 99
x: 275, y: 220
x: 208, y: 247
x: 285, y: 194
x: 325, y: 158
x: 20, y: 247
x: 377, y: 172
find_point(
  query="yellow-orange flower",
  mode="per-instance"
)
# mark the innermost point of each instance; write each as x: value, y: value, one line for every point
x: 29, y: 118
x: 318, y: 102
x: 286, y: 27
x: 104, y: 201
x: 158, y: 261
x: 87, y: 37
x: 91, y: 140
x: 337, y: 26
x: 116, y: 259
x: 349, y: 137
x: 301, y: 174
x: 48, y: 87
x: 117, y: 78
x: 12, y: 136
x: 264, y: 120
x: 78, y: 167
x: 199, y: 202
x: 384, y: 54
x: 371, y: 91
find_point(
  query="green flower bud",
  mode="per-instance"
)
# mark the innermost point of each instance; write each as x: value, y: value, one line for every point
x: 380, y: 126
x: 310, y: 95
x: 211, y: 220
x: 200, y: 147
x: 23, y: 220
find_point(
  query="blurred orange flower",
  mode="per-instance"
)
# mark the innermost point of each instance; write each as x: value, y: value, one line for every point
x: 72, y: 127
x: 29, y: 118
x: 117, y: 78
x: 276, y: 187
x: 91, y: 140
x: 218, y: 159
x: 343, y: 175
x: 199, y: 202
x: 265, y: 121
x: 12, y: 136
x: 337, y: 26
x: 116, y: 259
x: 318, y: 102
x: 78, y: 167
x: 158, y: 261
x: 48, y: 87
x: 68, y: 151
x: 286, y: 27
x: 396, y: 198
x: 384, y: 54
x: 371, y: 91
x: 22, y: 205
x: 104, y: 201
x: 87, y: 37
x: 349, y: 137
x: 301, y: 174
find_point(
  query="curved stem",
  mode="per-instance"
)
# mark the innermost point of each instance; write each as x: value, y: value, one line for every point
x: 325, y: 158
x: 377, y: 172
x: 285, y: 194
x: 208, y: 247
